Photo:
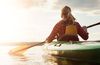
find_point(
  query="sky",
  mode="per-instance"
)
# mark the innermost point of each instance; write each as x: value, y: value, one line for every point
x: 33, y: 20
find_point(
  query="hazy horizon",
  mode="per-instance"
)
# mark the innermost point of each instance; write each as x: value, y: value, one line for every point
x: 33, y: 20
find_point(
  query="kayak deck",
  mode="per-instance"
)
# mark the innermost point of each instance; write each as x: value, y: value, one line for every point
x: 73, y: 46
x: 88, y: 51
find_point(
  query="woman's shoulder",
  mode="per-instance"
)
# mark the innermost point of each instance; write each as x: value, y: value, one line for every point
x: 77, y: 23
x: 60, y: 22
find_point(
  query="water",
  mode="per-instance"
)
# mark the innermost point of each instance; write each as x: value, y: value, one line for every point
x: 33, y: 56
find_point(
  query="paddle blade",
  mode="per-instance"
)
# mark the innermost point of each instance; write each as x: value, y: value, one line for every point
x: 22, y: 48
x: 18, y: 51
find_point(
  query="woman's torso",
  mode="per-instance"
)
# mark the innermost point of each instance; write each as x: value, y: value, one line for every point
x: 67, y: 32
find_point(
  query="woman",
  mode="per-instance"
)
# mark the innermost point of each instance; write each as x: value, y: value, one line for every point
x: 67, y: 29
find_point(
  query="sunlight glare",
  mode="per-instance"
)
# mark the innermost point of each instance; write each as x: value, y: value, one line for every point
x: 50, y: 3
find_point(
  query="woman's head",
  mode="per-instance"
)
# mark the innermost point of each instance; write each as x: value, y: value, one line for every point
x: 65, y: 11
x: 66, y: 14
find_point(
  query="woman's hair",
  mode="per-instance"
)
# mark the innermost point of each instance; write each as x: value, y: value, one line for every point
x: 66, y: 12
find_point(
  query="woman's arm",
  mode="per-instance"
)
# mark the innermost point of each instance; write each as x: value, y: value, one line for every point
x: 82, y: 31
x: 53, y: 33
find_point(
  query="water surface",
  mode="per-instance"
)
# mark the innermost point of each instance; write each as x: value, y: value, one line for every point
x: 33, y: 56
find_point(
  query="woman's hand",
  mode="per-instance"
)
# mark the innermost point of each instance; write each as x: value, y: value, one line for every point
x: 47, y: 41
x: 85, y: 28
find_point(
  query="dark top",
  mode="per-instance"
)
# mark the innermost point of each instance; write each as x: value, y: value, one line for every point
x: 60, y: 27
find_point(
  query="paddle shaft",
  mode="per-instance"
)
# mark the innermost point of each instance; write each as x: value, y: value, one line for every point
x: 42, y: 43
x: 93, y: 25
x: 37, y: 44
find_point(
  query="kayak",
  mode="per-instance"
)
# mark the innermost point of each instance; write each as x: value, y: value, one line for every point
x: 85, y: 51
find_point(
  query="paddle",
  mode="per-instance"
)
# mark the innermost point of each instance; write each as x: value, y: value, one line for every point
x: 93, y: 25
x: 19, y: 50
